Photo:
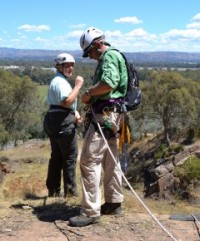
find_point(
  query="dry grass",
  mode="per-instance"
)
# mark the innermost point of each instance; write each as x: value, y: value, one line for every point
x: 27, y: 185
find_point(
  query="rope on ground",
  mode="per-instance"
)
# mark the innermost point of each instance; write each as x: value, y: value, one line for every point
x: 64, y: 231
x: 197, y: 224
x: 60, y: 229
x: 132, y: 190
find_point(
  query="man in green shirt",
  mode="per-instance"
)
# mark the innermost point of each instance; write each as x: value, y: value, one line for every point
x: 105, y: 96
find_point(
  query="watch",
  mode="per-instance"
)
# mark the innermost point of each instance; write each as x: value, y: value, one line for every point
x: 88, y: 93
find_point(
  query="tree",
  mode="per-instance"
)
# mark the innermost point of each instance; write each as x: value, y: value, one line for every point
x: 19, y: 106
x: 172, y: 100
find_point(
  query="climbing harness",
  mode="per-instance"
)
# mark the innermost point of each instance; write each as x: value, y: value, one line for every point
x: 132, y: 190
x: 109, y: 128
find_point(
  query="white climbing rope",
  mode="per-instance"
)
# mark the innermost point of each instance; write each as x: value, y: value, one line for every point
x: 132, y: 190
x: 197, y: 223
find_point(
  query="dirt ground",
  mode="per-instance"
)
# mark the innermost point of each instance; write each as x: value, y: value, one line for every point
x: 49, y: 222
x: 39, y: 218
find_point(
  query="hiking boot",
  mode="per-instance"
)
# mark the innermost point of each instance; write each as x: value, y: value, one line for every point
x: 111, y: 209
x: 82, y: 220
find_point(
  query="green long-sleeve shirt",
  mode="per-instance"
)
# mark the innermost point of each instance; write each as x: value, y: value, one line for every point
x: 112, y: 71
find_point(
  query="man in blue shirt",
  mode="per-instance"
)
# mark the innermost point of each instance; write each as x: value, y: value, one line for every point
x: 60, y: 125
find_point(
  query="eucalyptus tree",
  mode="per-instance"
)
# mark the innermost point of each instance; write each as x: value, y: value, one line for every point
x: 172, y: 100
x: 19, y: 107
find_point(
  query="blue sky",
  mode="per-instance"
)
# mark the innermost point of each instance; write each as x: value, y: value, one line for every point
x: 130, y: 25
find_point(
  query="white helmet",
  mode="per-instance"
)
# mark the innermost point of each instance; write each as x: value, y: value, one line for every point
x: 64, y: 58
x: 88, y: 37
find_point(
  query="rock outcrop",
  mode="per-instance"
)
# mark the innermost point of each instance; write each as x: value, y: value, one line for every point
x: 160, y: 180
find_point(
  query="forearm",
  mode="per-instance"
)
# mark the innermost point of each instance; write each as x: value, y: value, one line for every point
x: 71, y: 98
x: 75, y: 91
x: 98, y: 89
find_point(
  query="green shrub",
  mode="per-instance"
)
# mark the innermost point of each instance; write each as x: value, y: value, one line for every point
x: 163, y: 151
x: 175, y: 148
x: 160, y: 151
x: 190, y: 170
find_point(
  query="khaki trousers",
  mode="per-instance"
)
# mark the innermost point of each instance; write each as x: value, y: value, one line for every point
x: 95, y: 156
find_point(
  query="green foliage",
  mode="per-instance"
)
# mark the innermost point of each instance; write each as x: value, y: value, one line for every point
x: 19, y: 107
x: 191, y: 74
x: 190, y: 170
x: 176, y: 148
x: 43, y: 75
x: 36, y: 74
x: 39, y: 75
x: 164, y: 151
x: 43, y: 89
x: 160, y: 151
x: 4, y: 136
x: 171, y: 100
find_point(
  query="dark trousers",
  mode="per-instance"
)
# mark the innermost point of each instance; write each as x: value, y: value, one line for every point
x: 60, y: 127
x: 63, y: 159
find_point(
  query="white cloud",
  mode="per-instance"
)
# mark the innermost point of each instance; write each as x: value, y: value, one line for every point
x: 195, y: 22
x: 114, y: 34
x: 132, y: 20
x: 196, y: 17
x: 34, y: 28
x: 39, y: 39
x: 138, y: 39
x: 68, y: 41
x: 195, y: 25
x: 177, y: 33
x: 137, y: 32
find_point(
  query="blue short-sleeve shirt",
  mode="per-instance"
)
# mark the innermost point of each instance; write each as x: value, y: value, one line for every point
x: 59, y: 89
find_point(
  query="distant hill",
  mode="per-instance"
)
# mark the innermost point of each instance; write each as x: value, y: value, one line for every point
x: 172, y: 57
x: 36, y: 54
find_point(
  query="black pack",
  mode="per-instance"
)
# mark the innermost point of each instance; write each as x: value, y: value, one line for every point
x: 134, y: 94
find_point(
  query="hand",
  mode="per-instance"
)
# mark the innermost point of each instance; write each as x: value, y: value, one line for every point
x: 79, y: 121
x: 79, y: 81
x: 78, y: 118
x: 85, y: 98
